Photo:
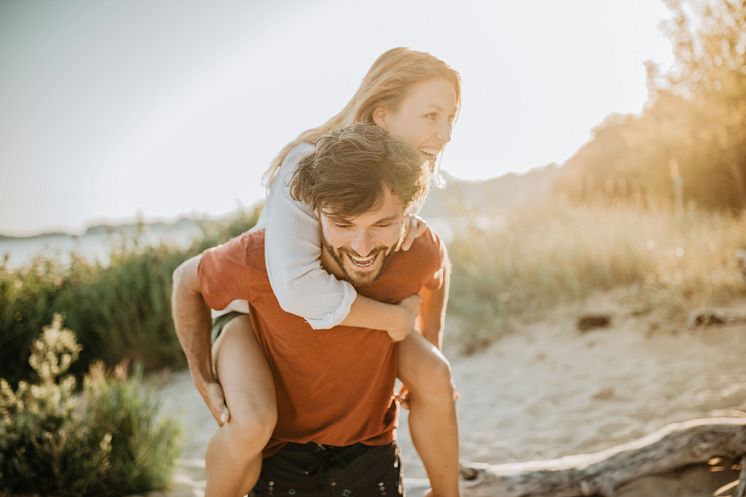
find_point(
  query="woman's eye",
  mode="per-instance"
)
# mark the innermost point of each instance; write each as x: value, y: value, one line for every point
x: 432, y: 116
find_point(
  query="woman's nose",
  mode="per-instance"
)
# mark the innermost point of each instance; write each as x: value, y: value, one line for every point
x: 444, y: 132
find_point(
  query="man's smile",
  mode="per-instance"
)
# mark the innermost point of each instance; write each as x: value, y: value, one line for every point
x: 363, y: 262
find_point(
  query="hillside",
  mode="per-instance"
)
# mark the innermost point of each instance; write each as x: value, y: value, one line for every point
x: 495, y: 196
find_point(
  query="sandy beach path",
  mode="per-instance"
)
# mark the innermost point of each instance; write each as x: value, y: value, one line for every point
x: 548, y: 391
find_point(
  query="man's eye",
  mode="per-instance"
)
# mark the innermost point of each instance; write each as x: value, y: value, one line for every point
x: 432, y: 115
x: 342, y: 226
x: 383, y: 225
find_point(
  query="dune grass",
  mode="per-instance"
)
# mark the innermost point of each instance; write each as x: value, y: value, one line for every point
x: 558, y: 253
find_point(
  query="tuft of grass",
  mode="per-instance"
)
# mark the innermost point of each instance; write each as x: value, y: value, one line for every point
x: 558, y: 253
x: 103, y: 442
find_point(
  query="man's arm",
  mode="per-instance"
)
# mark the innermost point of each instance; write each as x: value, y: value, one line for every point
x: 432, y: 315
x: 192, y: 322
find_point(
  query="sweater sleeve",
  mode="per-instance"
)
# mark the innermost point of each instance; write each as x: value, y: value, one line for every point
x: 292, y: 255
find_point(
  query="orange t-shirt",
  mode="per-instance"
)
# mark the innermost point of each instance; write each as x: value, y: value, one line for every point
x: 333, y: 387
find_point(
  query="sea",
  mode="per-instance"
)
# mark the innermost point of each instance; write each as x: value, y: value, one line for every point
x: 97, y: 244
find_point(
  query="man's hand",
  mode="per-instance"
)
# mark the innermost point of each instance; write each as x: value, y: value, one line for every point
x: 403, y: 397
x: 410, y: 308
x: 192, y: 323
x: 416, y: 227
x: 212, y: 394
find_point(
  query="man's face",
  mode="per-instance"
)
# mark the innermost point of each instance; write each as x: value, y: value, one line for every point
x: 362, y: 245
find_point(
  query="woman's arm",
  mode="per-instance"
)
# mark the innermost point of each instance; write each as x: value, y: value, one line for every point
x: 397, y: 320
x: 301, y: 285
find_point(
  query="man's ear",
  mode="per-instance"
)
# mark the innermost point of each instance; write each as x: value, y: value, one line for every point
x: 380, y: 116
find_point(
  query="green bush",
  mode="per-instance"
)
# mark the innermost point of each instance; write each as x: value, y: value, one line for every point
x: 103, y: 442
x: 120, y: 310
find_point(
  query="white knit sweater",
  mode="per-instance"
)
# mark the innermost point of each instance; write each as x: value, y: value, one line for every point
x: 292, y: 250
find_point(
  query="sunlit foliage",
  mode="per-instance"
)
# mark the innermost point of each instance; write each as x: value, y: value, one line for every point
x: 689, y: 144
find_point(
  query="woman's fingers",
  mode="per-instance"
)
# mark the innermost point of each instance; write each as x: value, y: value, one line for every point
x: 416, y: 226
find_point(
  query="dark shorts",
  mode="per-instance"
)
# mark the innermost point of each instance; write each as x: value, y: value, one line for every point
x: 311, y: 470
x: 219, y: 323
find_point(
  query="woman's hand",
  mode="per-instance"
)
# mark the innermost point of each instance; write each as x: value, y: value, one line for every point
x: 408, y: 309
x: 416, y: 226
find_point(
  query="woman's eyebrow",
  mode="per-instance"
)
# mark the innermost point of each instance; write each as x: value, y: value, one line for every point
x: 439, y: 108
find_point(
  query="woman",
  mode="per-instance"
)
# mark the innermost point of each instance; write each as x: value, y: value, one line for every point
x: 412, y: 95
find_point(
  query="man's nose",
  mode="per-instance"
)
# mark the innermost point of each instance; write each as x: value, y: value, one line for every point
x: 362, y: 244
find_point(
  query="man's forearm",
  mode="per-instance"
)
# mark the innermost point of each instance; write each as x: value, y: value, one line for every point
x: 431, y: 319
x: 432, y: 315
x: 192, y: 320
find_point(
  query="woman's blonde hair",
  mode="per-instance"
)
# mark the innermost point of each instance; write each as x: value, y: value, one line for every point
x: 385, y: 85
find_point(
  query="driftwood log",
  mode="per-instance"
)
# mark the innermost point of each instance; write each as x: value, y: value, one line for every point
x: 600, y: 473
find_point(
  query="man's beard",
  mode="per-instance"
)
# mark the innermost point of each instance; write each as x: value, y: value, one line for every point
x: 359, y: 278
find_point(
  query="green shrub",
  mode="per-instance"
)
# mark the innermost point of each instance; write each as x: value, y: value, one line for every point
x: 143, y: 450
x: 103, y: 442
x: 119, y: 310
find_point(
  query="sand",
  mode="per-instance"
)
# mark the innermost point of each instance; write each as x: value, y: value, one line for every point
x: 547, y: 390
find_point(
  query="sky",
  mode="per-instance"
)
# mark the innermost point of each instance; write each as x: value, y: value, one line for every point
x: 111, y: 110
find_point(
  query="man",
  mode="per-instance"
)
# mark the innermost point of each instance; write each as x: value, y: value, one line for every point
x: 326, y: 411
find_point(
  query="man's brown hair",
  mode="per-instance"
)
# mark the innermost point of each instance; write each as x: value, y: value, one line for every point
x: 349, y: 168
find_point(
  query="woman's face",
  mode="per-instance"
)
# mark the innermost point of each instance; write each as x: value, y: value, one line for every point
x: 424, y: 118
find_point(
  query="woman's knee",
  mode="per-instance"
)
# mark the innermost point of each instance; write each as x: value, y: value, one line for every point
x: 435, y: 379
x: 252, y: 426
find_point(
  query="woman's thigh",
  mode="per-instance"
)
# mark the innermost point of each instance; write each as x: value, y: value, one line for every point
x: 243, y: 372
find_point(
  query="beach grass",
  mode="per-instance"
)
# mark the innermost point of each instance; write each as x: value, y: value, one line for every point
x: 559, y: 252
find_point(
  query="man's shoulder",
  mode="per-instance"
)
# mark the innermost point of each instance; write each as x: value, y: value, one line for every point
x: 234, y: 270
x: 247, y: 249
x: 426, y: 255
x: 408, y: 271
x: 428, y: 248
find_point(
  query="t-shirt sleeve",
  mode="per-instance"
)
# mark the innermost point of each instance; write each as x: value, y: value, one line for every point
x: 434, y: 279
x: 224, y: 275
x: 292, y: 255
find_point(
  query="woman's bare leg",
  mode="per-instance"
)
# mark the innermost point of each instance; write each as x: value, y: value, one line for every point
x: 234, y: 454
x: 432, y: 412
